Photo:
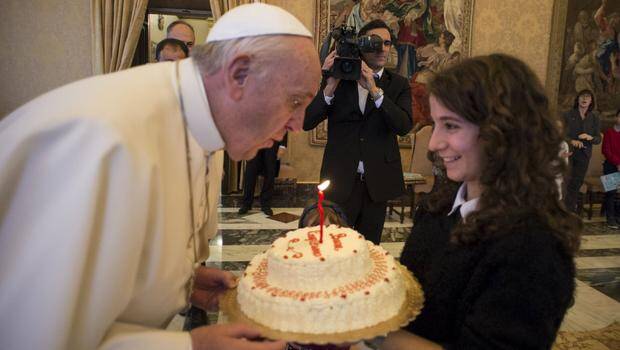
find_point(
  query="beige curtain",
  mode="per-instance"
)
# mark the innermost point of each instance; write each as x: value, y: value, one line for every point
x: 116, y: 26
x: 219, y: 7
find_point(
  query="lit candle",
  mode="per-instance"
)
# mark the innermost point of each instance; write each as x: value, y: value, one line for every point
x: 322, y: 188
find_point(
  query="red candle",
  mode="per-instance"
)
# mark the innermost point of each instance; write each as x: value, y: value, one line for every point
x: 322, y: 188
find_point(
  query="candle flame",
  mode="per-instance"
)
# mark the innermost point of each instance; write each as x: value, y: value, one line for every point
x: 323, y: 185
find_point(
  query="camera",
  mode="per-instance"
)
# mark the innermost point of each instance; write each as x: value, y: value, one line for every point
x: 347, y: 64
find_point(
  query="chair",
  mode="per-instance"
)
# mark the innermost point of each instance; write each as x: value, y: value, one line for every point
x: 419, y: 177
x: 592, y: 189
x: 420, y: 164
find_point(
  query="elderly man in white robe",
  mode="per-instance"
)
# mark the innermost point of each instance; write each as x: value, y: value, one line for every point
x: 103, y: 196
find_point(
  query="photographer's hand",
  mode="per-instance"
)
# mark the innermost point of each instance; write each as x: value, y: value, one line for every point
x: 332, y: 83
x: 367, y: 79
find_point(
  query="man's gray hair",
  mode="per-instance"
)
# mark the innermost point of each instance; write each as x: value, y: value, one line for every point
x: 211, y: 56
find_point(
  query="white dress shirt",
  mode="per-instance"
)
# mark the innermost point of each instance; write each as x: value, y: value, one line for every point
x: 362, y: 94
x: 466, y: 206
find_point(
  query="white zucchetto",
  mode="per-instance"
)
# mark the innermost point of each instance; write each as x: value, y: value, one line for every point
x: 254, y: 20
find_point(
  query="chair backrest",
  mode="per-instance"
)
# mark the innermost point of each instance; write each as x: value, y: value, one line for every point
x: 595, y: 167
x: 419, y: 161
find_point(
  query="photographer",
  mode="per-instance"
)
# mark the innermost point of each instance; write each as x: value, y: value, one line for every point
x: 361, y: 157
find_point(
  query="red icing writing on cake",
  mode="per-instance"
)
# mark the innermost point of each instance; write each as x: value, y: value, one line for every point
x: 297, y: 254
x: 314, y: 243
x: 377, y: 274
x: 336, y: 239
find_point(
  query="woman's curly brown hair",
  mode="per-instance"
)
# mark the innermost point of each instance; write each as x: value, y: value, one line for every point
x: 520, y: 145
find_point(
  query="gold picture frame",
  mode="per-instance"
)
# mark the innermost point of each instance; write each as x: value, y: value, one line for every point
x: 322, y: 26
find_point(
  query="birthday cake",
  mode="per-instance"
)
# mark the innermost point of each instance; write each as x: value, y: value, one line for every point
x: 301, y: 284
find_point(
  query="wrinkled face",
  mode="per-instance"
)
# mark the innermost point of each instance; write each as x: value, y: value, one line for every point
x: 585, y: 100
x: 455, y: 141
x: 275, y: 98
x: 377, y: 60
x: 183, y: 33
x: 171, y: 53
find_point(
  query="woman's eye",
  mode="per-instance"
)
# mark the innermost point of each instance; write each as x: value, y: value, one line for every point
x: 451, y: 126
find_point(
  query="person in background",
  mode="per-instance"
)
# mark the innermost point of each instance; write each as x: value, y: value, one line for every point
x: 171, y: 50
x: 265, y: 162
x: 183, y: 31
x: 495, y: 257
x: 611, y: 151
x: 104, y: 185
x: 583, y: 130
x: 362, y: 158
x: 333, y: 215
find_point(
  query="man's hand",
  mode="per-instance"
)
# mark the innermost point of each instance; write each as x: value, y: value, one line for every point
x: 584, y: 136
x: 209, y: 285
x: 367, y: 79
x: 577, y: 144
x: 231, y: 337
x: 332, y: 83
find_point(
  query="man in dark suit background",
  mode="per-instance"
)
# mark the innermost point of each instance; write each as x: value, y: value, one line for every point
x: 266, y: 163
x: 361, y: 158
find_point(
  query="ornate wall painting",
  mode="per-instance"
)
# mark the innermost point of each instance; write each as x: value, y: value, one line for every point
x: 585, y: 54
x: 432, y: 34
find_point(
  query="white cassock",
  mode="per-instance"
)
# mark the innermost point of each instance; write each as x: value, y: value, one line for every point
x: 95, y: 248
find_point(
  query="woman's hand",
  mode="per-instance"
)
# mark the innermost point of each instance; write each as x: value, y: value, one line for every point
x: 576, y: 143
x: 584, y: 136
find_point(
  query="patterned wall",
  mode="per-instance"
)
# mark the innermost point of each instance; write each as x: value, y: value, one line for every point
x: 520, y: 28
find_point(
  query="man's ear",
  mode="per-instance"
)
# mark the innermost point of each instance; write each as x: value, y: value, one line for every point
x: 237, y: 75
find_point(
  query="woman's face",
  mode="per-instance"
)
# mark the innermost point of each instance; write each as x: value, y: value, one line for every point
x: 455, y: 141
x: 585, y: 101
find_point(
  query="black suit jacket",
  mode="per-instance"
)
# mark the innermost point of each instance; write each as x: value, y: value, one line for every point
x: 369, y: 137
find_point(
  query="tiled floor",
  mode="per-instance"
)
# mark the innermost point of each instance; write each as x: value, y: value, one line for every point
x: 597, y: 305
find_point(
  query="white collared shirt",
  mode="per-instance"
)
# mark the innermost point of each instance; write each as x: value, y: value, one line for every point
x: 467, y: 206
x: 362, y: 94
x: 199, y: 119
x: 203, y: 138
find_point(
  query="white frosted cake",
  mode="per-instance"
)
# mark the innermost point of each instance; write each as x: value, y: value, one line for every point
x: 300, y: 285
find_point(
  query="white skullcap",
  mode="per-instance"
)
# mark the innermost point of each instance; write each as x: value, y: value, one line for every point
x: 253, y: 20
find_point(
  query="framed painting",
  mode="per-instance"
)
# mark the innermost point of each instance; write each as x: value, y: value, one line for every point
x: 431, y: 34
x: 585, y: 54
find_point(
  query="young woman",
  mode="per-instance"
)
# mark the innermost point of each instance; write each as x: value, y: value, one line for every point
x: 584, y: 130
x: 495, y: 257
x: 611, y: 151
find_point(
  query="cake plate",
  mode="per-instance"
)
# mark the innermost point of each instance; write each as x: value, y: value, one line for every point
x: 410, y: 309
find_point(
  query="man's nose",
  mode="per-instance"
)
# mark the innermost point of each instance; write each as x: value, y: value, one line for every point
x: 296, y: 122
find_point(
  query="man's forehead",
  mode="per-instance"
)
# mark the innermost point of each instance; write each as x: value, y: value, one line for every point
x: 172, y: 47
x: 181, y: 27
x: 379, y: 31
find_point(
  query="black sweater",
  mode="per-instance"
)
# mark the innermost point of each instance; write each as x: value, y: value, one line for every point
x: 509, y: 292
x: 575, y: 126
